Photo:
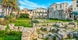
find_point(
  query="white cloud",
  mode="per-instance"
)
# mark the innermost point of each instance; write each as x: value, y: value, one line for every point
x: 30, y: 5
x: 21, y: 7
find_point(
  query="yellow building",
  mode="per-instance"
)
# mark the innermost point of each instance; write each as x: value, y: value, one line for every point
x: 27, y: 11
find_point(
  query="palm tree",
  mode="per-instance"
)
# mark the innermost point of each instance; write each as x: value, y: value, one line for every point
x: 5, y: 5
x: 13, y: 6
x: 9, y: 5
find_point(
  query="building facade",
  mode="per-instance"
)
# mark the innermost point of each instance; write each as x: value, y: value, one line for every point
x: 58, y: 11
x: 30, y: 12
x: 74, y: 14
x: 40, y: 13
x: 24, y: 11
x: 75, y: 5
x: 1, y: 12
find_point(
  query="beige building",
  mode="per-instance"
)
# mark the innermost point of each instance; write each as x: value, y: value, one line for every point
x: 75, y: 5
x: 59, y: 6
x: 5, y: 11
x: 30, y: 12
x: 40, y: 13
x: 27, y: 11
x: 58, y: 11
x: 74, y: 14
x: 24, y: 11
x: 69, y: 11
x: 1, y: 11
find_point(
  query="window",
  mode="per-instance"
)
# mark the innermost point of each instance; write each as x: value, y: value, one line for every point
x: 77, y: 1
x: 77, y: 5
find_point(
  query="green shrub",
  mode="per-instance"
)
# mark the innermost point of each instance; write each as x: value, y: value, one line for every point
x: 23, y: 22
x: 24, y: 16
x: 35, y: 21
x: 11, y: 35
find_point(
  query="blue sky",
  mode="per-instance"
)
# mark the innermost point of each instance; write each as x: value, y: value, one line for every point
x: 32, y: 4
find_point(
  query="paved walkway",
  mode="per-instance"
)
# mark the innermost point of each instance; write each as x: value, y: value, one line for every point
x: 26, y: 33
x: 29, y: 34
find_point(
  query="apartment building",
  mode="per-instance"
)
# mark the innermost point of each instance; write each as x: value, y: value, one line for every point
x: 75, y: 5
x: 30, y: 12
x: 40, y: 13
x: 24, y: 11
x: 58, y: 11
x: 1, y: 12
x: 74, y: 14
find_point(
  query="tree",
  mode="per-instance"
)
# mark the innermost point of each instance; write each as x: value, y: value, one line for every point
x: 14, y: 5
x: 9, y: 6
